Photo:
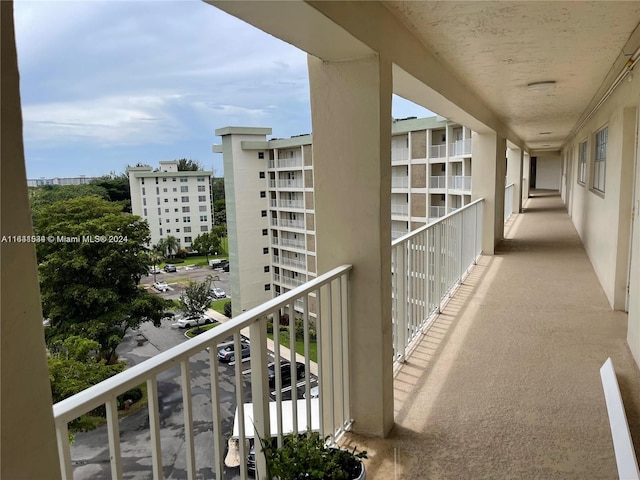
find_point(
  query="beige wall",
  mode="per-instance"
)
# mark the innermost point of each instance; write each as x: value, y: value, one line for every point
x: 308, y: 200
x: 307, y: 151
x: 419, y: 144
x: 418, y: 176
x: 419, y: 204
x: 548, y: 170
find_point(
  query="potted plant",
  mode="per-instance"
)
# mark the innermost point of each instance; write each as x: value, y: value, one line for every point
x: 308, y: 456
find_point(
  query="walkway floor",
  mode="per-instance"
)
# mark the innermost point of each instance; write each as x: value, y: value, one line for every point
x: 506, y: 384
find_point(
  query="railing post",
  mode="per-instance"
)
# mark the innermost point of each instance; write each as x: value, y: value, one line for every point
x: 437, y: 271
x: 260, y: 391
x: 113, y: 432
x: 401, y: 300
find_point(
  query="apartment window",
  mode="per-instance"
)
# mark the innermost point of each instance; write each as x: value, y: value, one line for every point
x: 201, y: 179
x: 160, y: 232
x: 202, y: 198
x: 164, y: 190
x: 175, y: 189
x: 166, y: 200
x: 185, y: 209
x: 166, y: 210
x: 185, y: 199
x: 156, y: 180
x: 177, y: 230
x: 263, y: 213
x: 159, y: 211
x: 267, y: 287
x: 143, y: 191
x: 159, y: 221
x: 157, y: 190
x: 144, y: 201
x: 201, y: 188
x: 175, y: 210
x: 261, y: 155
x: 175, y: 199
x: 184, y: 179
x: 145, y: 212
x: 186, y: 219
x: 142, y: 181
x: 582, y: 163
x: 187, y: 239
x: 167, y: 221
x: 261, y: 174
x: 186, y: 229
x: 164, y: 179
x: 266, y: 269
x: 265, y: 250
x: 184, y: 189
x: 202, y: 208
x: 168, y: 230
x: 204, y: 228
x: 263, y: 194
x: 600, y: 160
x: 265, y: 231
x: 177, y: 220
x: 203, y: 218
x: 173, y: 179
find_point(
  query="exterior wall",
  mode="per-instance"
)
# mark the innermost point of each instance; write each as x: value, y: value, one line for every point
x: 548, y: 171
x: 158, y: 197
x: 603, y: 220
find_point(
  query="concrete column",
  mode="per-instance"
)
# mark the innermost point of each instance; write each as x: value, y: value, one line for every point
x: 514, y: 175
x: 526, y: 173
x: 351, y: 119
x: 28, y: 447
x: 488, y: 180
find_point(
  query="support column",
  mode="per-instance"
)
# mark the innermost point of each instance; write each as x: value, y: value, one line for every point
x: 514, y: 175
x: 488, y: 180
x: 526, y: 174
x: 351, y: 119
x: 28, y: 447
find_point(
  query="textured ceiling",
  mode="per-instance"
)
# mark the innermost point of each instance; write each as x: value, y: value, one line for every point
x: 497, y: 48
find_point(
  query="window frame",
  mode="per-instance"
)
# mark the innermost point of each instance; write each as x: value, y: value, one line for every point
x: 599, y: 164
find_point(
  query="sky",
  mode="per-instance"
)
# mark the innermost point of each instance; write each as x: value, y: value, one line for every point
x: 110, y: 84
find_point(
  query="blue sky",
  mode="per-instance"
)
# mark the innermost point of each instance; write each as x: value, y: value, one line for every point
x: 108, y: 84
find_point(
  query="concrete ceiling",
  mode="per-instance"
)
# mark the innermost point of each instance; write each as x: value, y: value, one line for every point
x: 497, y: 48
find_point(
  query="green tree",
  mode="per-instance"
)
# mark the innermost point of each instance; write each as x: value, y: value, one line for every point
x: 217, y: 188
x: 172, y: 244
x: 188, y: 165
x: 89, y: 273
x: 117, y: 188
x: 206, y: 243
x: 219, y: 211
x: 195, y: 299
x: 40, y: 197
x: 220, y: 230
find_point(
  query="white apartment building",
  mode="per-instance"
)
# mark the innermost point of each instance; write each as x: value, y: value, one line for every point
x: 81, y: 180
x: 269, y: 186
x: 174, y: 203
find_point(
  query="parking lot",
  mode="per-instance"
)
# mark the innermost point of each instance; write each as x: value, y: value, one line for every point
x: 179, y: 279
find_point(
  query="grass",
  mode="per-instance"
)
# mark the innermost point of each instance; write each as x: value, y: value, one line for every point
x: 218, y: 305
x: 198, y: 260
x: 191, y: 332
x: 284, y: 341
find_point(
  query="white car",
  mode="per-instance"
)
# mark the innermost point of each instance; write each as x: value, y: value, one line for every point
x: 154, y: 269
x: 217, y: 293
x: 188, y: 322
x: 161, y: 286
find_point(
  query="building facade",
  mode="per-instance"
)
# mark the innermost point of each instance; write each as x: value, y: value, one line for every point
x: 174, y: 203
x: 81, y: 180
x: 269, y: 187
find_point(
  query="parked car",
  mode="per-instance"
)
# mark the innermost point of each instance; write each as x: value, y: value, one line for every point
x: 153, y: 270
x: 314, y: 392
x: 188, y: 322
x: 285, y: 372
x: 217, y: 293
x: 228, y: 354
x: 169, y: 268
x: 161, y: 286
x: 226, y: 267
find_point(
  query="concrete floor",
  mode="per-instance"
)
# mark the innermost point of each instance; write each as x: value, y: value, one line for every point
x: 506, y: 384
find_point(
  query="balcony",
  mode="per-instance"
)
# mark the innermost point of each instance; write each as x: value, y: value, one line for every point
x: 287, y: 223
x: 400, y: 182
x: 290, y: 162
x: 399, y: 154
x: 438, y: 181
x: 290, y: 183
x: 292, y: 243
x: 460, y: 148
x: 438, y: 151
x: 437, y: 211
x: 290, y: 262
x: 462, y: 183
x: 290, y: 203
x: 399, y: 209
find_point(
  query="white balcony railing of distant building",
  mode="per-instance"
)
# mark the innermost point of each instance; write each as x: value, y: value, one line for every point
x: 462, y: 183
x: 397, y: 234
x: 460, y: 147
x: 287, y: 281
x: 400, y: 182
x: 290, y: 203
x: 290, y: 183
x: 274, y: 222
x: 399, y: 154
x: 272, y: 164
x: 274, y: 240
x: 272, y: 183
x: 399, y: 209
x: 438, y: 151
x: 508, y: 201
x: 290, y: 162
x: 293, y: 243
x: 437, y: 211
x: 290, y: 262
x: 285, y: 222
x: 273, y: 202
x: 427, y: 265
x: 332, y: 307
x: 438, y: 181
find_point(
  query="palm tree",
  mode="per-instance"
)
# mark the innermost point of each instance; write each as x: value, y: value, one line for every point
x: 172, y: 245
x: 155, y: 256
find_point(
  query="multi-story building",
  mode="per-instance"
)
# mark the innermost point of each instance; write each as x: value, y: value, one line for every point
x: 81, y: 180
x: 270, y: 198
x: 174, y: 203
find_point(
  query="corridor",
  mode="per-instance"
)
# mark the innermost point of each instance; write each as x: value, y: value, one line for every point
x: 506, y: 384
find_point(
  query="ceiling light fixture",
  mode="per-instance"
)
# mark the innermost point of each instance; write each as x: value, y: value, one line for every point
x: 545, y: 133
x: 546, y: 145
x: 541, y: 86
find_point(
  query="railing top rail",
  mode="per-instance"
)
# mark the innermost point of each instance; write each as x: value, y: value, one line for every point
x: 406, y: 237
x: 510, y: 185
x: 86, y: 400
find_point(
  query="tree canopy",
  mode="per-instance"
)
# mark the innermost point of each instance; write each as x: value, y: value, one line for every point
x: 195, y: 299
x: 186, y: 165
x: 206, y: 244
x: 90, y: 269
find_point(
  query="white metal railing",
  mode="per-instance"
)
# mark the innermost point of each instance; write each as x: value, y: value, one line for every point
x: 290, y: 203
x: 439, y: 181
x: 508, y: 201
x: 273, y: 202
x: 400, y: 182
x: 438, y: 151
x: 331, y: 310
x: 427, y: 265
x: 272, y: 164
x: 399, y: 209
x: 460, y: 147
x: 290, y: 162
x: 272, y: 183
x: 289, y: 262
x: 399, y: 154
x: 288, y: 242
x: 274, y: 240
x: 437, y: 211
x: 274, y: 221
x: 397, y: 233
x: 289, y: 281
x: 459, y: 182
x: 290, y: 182
x: 284, y: 222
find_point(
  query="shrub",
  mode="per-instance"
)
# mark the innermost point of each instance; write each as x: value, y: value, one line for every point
x: 135, y: 395
x: 182, y: 253
x: 227, y: 309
